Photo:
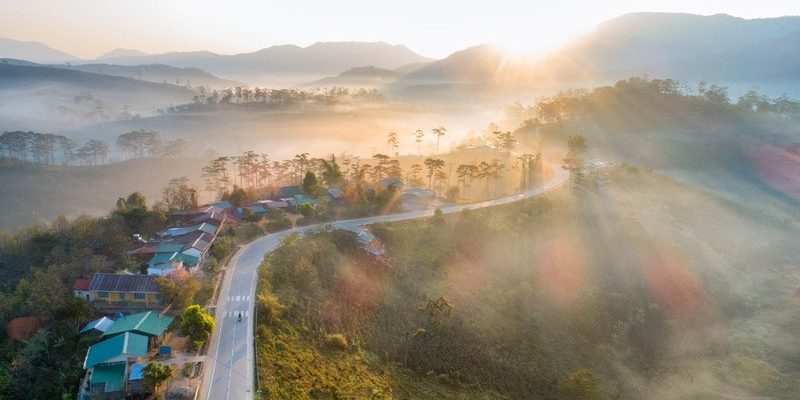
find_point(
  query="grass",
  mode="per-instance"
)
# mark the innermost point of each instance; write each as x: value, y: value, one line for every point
x: 295, y: 366
x: 298, y: 365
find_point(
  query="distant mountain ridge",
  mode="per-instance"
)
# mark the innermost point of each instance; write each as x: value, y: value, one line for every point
x: 159, y: 73
x: 32, y: 51
x: 684, y: 46
x: 16, y: 72
x: 119, y: 52
x: 324, y: 58
x: 360, y: 76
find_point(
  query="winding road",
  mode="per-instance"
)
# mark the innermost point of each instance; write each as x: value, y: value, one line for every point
x: 230, y: 360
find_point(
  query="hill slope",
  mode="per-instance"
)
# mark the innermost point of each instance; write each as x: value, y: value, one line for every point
x: 43, y: 193
x: 361, y: 76
x: 47, y: 98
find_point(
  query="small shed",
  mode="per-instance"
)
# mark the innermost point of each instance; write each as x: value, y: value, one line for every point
x: 100, y: 325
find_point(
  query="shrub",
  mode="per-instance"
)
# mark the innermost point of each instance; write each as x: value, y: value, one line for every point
x: 222, y: 247
x: 336, y: 341
x: 248, y: 231
x: 269, y: 308
x: 279, y: 225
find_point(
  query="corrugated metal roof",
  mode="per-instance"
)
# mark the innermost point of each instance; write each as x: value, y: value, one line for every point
x: 116, y: 349
x: 169, y: 247
x: 289, y: 191
x: 149, y: 323
x: 100, y: 324
x: 112, y: 376
x: 123, y: 283
x: 222, y: 204
x: 164, y: 258
x: 207, y: 228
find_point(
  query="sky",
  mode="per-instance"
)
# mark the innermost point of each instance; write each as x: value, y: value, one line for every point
x: 433, y: 28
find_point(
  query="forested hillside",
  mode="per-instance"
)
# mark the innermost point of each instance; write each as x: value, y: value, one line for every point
x: 614, y: 291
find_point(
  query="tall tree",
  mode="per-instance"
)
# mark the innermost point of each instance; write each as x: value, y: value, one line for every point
x: 179, y: 195
x: 435, y: 169
x: 331, y: 172
x: 439, y: 132
x: 418, y: 136
x: 414, y: 178
x: 392, y: 144
x: 216, y: 175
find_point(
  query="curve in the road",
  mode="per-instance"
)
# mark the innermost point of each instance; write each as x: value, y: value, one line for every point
x: 230, y: 367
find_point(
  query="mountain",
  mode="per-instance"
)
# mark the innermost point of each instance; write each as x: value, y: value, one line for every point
x: 159, y: 73
x: 55, y: 98
x: 320, y: 59
x: 683, y: 46
x: 121, y: 53
x: 479, y: 65
x: 360, y: 76
x: 32, y: 51
x: 15, y: 73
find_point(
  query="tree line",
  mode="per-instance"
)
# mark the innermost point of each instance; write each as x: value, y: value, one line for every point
x: 569, y: 104
x: 274, y: 97
x: 257, y: 172
x: 54, y: 149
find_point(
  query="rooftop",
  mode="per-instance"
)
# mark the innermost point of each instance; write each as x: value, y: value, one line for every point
x: 100, y: 324
x: 123, y: 283
x: 116, y: 349
x: 148, y: 323
x: 112, y: 376
x: 289, y: 191
x: 81, y: 284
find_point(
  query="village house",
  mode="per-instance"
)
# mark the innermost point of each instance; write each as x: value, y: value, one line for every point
x: 121, y: 291
x: 114, y: 365
x: 417, y: 199
x: 107, y: 364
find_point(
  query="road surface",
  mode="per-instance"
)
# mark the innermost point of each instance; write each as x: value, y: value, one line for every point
x: 230, y: 364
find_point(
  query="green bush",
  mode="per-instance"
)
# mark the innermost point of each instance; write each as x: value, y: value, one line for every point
x: 222, y: 247
x: 279, y: 225
x: 247, y: 232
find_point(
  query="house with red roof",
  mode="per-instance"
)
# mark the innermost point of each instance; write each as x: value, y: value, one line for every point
x: 81, y: 288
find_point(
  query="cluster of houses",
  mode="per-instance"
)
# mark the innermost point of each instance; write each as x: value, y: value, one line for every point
x: 114, y: 365
x: 184, y: 246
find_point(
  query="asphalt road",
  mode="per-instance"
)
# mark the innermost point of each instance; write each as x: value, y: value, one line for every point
x: 230, y: 363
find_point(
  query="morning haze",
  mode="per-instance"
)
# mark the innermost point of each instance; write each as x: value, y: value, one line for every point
x: 425, y: 200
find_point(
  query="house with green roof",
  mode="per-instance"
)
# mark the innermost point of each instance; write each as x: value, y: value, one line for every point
x: 149, y: 324
x: 116, y: 349
x: 108, y: 381
x: 107, y: 363
x: 166, y: 264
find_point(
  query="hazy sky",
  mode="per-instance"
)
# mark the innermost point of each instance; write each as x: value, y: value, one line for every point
x: 88, y: 28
